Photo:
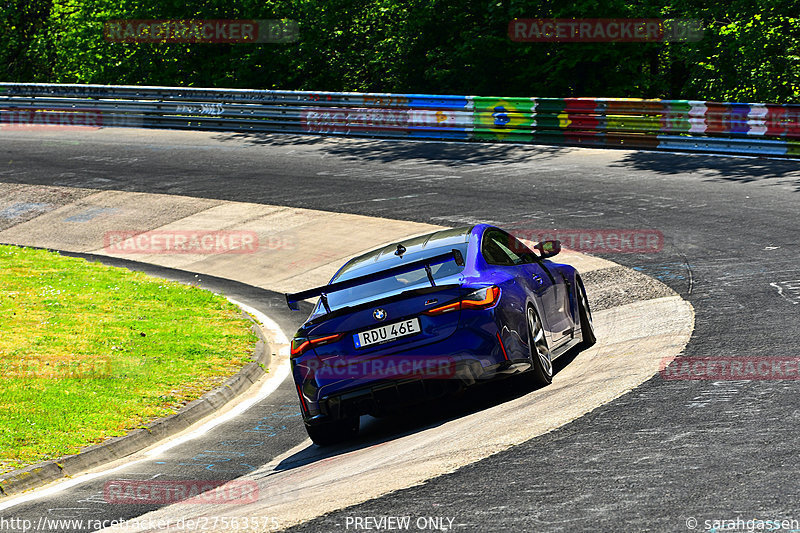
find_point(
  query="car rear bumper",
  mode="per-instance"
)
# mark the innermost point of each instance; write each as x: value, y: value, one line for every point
x: 474, y: 355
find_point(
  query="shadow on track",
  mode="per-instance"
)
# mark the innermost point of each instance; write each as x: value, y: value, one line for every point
x: 424, y: 416
x: 730, y: 169
x: 458, y: 154
x: 455, y: 154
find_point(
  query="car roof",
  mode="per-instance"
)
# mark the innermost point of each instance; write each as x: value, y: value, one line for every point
x: 385, y: 257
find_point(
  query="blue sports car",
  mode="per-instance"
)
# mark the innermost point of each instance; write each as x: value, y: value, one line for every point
x: 430, y: 315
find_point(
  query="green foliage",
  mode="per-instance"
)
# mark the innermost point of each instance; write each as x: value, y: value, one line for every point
x: 750, y: 50
x: 22, y: 34
x: 89, y: 351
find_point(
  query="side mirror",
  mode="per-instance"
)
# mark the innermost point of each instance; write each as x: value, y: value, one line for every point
x: 458, y: 257
x: 548, y: 248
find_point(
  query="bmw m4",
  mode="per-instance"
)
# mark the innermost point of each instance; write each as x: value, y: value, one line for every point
x: 433, y: 314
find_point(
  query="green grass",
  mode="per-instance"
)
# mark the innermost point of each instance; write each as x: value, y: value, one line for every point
x: 89, y: 351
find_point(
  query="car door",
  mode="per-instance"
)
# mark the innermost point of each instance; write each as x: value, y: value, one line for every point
x: 501, y: 249
x: 551, y: 288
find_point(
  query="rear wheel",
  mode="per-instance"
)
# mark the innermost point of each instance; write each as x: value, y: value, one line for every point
x: 541, y: 372
x: 328, y: 433
x: 585, y: 315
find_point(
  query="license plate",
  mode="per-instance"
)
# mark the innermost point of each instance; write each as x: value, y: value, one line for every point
x: 387, y: 333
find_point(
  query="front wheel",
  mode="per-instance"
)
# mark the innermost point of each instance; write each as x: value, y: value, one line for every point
x: 585, y: 315
x: 541, y: 372
x: 328, y: 433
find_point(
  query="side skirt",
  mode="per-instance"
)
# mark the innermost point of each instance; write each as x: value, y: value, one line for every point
x: 564, y: 348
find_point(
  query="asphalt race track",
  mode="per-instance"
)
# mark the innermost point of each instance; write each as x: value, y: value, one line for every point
x: 659, y: 458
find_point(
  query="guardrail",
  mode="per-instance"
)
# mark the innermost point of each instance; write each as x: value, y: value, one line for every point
x: 686, y: 125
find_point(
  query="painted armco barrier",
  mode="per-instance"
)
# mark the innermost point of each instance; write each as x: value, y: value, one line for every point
x: 687, y: 125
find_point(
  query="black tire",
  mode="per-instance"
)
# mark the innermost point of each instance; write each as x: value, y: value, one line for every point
x: 328, y: 433
x: 541, y: 371
x: 588, y: 337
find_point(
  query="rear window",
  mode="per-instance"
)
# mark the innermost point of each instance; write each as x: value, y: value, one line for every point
x: 384, y: 258
x: 395, y: 284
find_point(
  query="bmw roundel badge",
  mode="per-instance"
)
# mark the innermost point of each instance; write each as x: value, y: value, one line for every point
x: 379, y: 314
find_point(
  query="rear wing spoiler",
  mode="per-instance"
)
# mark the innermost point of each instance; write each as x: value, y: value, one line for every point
x: 322, y: 292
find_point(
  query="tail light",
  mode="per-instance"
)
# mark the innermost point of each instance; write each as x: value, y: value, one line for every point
x: 480, y: 299
x: 300, y: 345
